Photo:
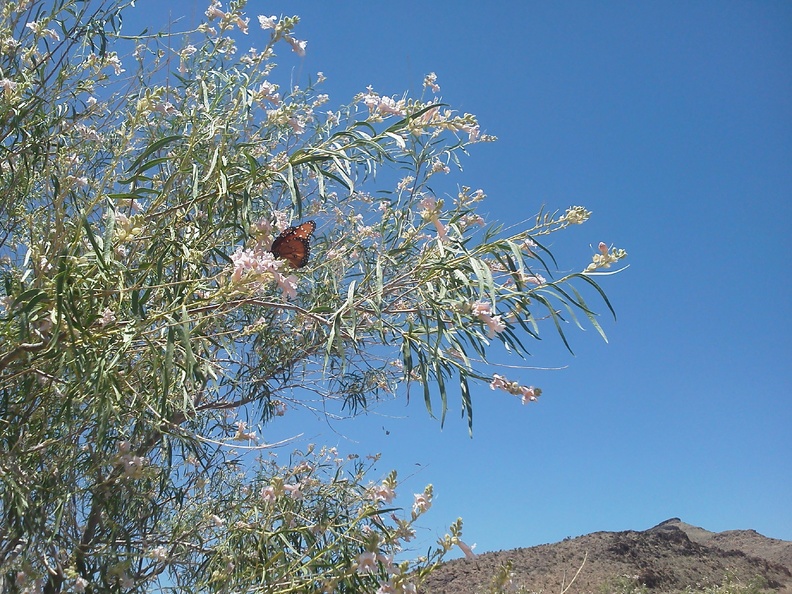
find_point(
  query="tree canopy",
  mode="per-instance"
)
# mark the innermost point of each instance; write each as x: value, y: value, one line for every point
x: 148, y: 321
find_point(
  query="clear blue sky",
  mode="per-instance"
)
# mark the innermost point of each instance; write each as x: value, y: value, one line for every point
x: 672, y: 122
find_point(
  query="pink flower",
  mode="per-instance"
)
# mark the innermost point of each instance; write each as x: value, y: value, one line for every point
x: 267, y: 22
x: 603, y: 248
x: 383, y: 493
x: 429, y: 116
x: 38, y: 29
x: 253, y: 260
x: 165, y: 108
x: 428, y: 202
x: 483, y: 311
x: 494, y: 324
x: 242, y: 434
x: 473, y: 132
x: 528, y: 394
x: 498, y: 382
x: 421, y: 503
x: 536, y: 279
x: 430, y: 80
x: 482, y: 308
x: 159, y: 553
x: 439, y: 167
x: 385, y: 105
x: 298, y: 47
x: 8, y: 86
x: 214, y: 12
x: 297, y: 124
x: 268, y: 494
x: 133, y: 465
x: 112, y: 60
x: 442, y: 234
x: 367, y: 563
x: 294, y: 491
x: 389, y: 106
x: 268, y: 91
x: 288, y: 285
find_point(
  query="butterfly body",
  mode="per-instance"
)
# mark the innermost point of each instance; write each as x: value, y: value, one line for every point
x: 294, y: 244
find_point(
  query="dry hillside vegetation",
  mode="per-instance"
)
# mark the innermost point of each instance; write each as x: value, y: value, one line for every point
x: 670, y: 557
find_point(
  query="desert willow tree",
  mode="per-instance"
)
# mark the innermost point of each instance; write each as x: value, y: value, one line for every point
x: 147, y: 326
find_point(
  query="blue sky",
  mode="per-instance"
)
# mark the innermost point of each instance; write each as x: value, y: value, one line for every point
x: 672, y: 122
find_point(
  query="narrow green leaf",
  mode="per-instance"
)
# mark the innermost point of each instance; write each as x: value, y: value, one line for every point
x: 590, y: 314
x: 554, y: 316
x: 184, y: 327
x: 407, y: 357
x: 438, y: 369
x: 166, y: 370
x: 27, y: 300
x: 517, y: 253
x: 467, y: 401
x: 599, y: 290
x: 149, y: 164
x: 294, y: 189
x: 94, y: 244
x: 423, y: 365
x: 152, y: 148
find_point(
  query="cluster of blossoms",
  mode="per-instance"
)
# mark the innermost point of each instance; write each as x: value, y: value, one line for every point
x: 534, y: 279
x: 107, y: 60
x: 242, y: 433
x: 227, y: 21
x: 576, y: 215
x: 433, y: 117
x: 430, y: 80
x: 447, y: 120
x: 483, y: 311
x: 127, y: 228
x: 431, y: 212
x: 605, y: 257
x: 259, y: 266
x: 383, y: 492
x: 39, y: 28
x: 270, y: 493
x: 133, y: 465
x: 381, y: 106
x: 8, y: 86
x: 526, y: 393
x: 369, y: 563
x: 373, y: 561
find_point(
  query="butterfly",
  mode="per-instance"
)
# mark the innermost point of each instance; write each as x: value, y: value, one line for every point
x: 293, y: 244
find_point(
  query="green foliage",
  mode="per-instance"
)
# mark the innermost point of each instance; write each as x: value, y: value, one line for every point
x: 145, y: 323
x: 503, y: 581
x: 624, y: 584
x: 627, y: 584
x: 732, y: 585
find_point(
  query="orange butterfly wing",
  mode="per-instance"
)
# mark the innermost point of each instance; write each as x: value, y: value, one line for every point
x: 293, y: 245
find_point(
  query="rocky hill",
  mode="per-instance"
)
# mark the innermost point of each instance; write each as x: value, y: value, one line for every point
x: 667, y: 558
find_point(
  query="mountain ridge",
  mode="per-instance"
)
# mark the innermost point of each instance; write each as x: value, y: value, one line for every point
x: 668, y: 557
